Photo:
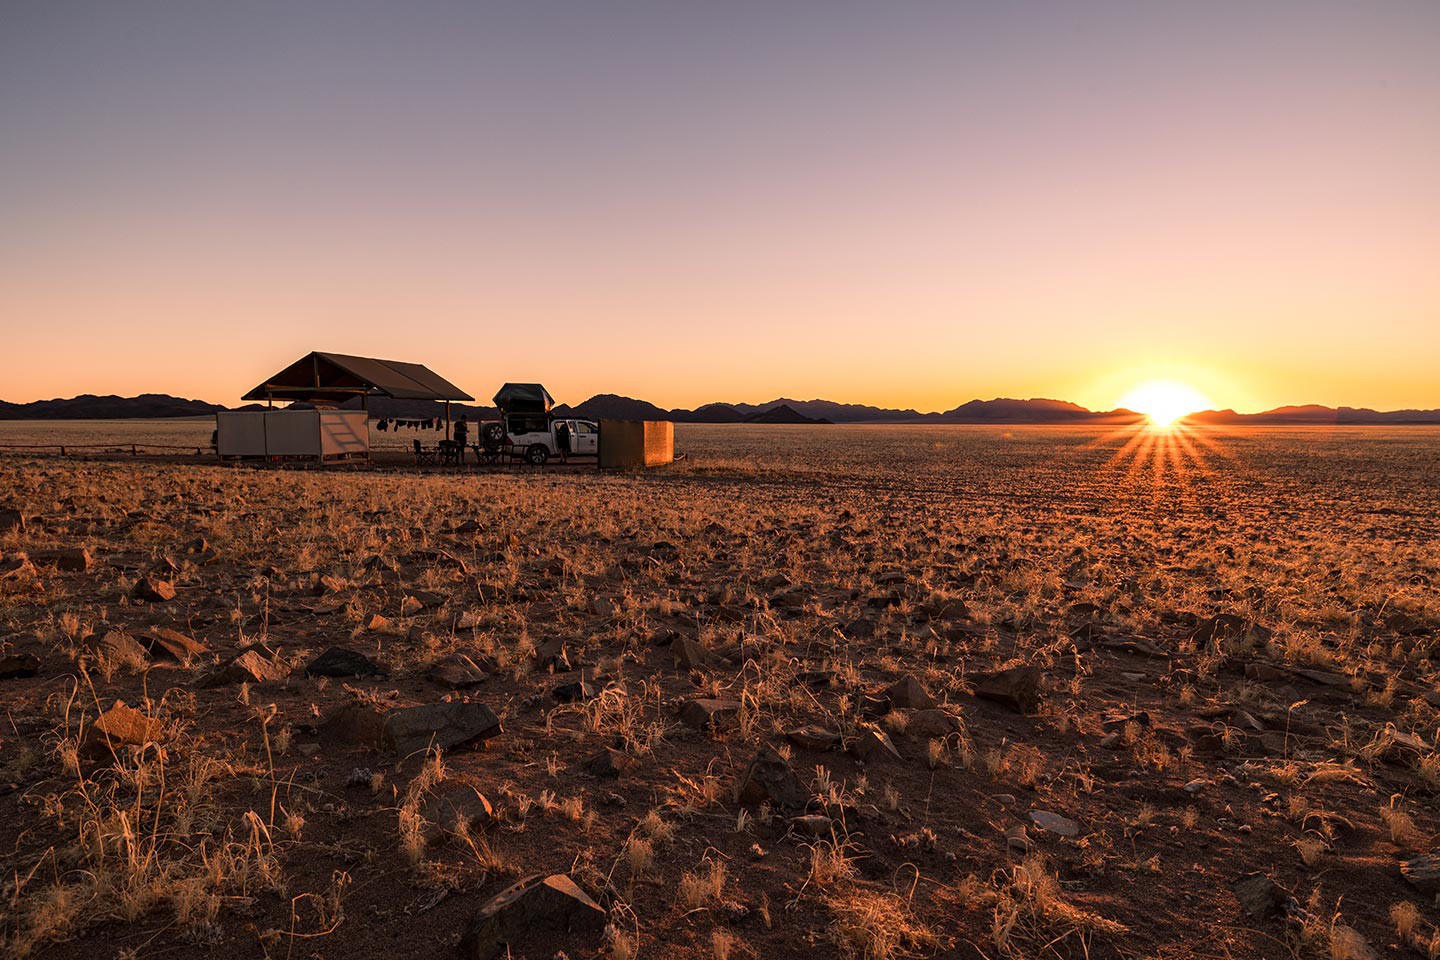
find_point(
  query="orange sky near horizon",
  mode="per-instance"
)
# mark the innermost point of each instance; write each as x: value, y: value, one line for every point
x: 911, y: 207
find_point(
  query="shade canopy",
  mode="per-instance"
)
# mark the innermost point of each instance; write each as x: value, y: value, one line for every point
x: 524, y: 398
x: 336, y: 377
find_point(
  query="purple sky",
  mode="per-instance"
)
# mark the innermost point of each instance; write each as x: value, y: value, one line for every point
x: 908, y: 204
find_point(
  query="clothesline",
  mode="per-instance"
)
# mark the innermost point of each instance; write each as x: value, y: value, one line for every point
x: 396, y: 424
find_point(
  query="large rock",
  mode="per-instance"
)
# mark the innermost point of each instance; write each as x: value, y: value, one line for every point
x: 120, y: 726
x: 1423, y: 873
x: 908, y: 693
x: 709, y: 714
x: 76, y: 560
x: 1227, y: 626
x: 459, y: 671
x: 153, y: 589
x: 456, y: 807
x: 609, y: 763
x: 552, y: 908
x: 690, y: 655
x: 340, y: 662
x: 769, y: 778
x: 1016, y: 687
x: 445, y: 725
x: 117, y: 644
x: 162, y: 641
x: 813, y: 737
x: 874, y: 746
x: 934, y: 724
x: 256, y: 663
x: 1260, y: 897
x: 1054, y: 823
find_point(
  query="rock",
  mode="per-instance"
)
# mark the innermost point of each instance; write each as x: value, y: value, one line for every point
x: 153, y: 589
x: 256, y: 663
x: 76, y: 560
x: 1054, y: 823
x: 17, y: 568
x: 819, y: 679
x: 456, y: 807
x: 417, y: 600
x: 607, y: 607
x: 1227, y: 626
x: 1261, y: 897
x: 552, y: 655
x: 769, y: 778
x: 17, y: 666
x: 573, y: 692
x: 459, y: 672
x: 1423, y: 873
x: 813, y: 825
x: 690, y: 655
x: 415, y: 729
x: 117, y: 643
x: 1120, y: 723
x: 1399, y: 747
x: 873, y: 746
x: 437, y: 558
x: 327, y: 584
x: 340, y: 662
x: 608, y: 764
x: 813, y: 737
x: 1016, y: 687
x: 932, y: 723
x: 908, y: 693
x: 1017, y: 839
x: 162, y: 641
x: 198, y: 545
x: 535, y: 907
x: 121, y: 726
x: 11, y: 520
x: 378, y: 623
x: 708, y: 714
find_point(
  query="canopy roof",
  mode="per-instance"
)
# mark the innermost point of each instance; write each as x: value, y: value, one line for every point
x: 337, y: 377
x: 524, y: 398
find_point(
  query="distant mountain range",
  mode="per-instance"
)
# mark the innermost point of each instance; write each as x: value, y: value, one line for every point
x: 780, y: 410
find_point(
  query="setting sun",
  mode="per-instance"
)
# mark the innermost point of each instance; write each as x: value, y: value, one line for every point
x: 1165, y: 401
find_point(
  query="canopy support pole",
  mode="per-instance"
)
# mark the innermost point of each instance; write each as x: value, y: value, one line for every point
x: 447, y: 419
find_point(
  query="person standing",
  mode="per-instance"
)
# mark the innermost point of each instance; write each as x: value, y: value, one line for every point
x: 462, y: 432
x: 562, y: 440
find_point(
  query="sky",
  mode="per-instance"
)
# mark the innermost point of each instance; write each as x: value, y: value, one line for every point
x: 907, y: 204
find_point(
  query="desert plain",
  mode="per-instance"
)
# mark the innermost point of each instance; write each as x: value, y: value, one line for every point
x: 856, y: 691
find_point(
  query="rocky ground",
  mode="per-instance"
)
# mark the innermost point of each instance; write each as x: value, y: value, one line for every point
x: 1032, y: 694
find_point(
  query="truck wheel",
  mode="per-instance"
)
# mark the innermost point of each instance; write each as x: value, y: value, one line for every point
x: 537, y: 454
x: 493, y: 433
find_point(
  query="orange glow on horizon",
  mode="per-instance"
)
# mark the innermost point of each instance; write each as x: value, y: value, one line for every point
x: 1165, y: 401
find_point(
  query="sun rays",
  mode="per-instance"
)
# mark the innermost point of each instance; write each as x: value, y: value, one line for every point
x: 1173, y: 453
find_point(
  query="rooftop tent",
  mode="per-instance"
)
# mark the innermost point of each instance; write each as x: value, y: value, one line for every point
x: 524, y: 398
x: 336, y: 377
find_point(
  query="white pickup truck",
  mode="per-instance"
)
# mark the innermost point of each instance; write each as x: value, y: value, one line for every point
x: 538, y: 437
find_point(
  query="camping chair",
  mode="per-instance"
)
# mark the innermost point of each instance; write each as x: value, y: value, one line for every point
x: 452, y: 453
x: 422, y: 455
